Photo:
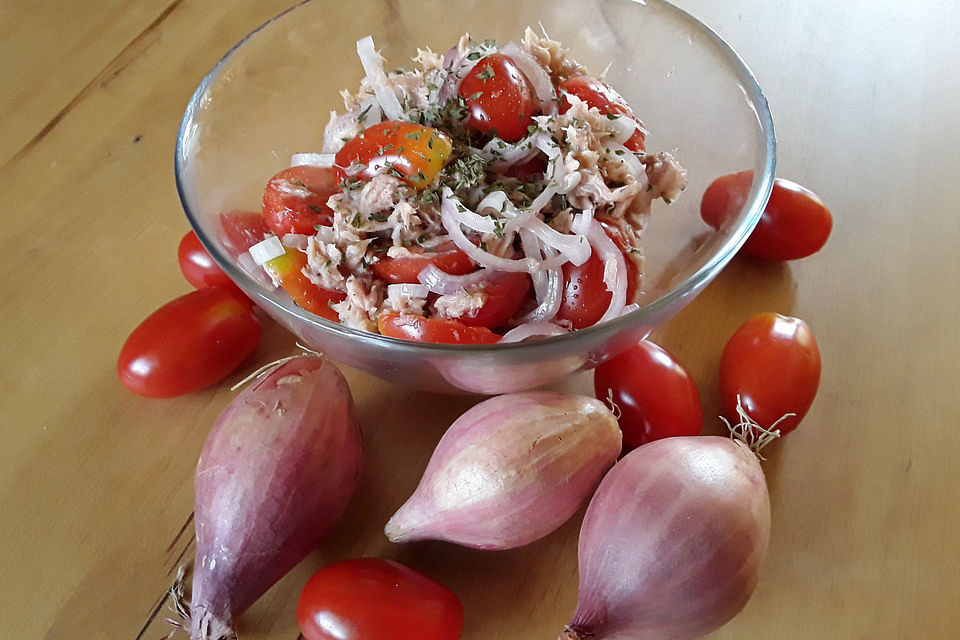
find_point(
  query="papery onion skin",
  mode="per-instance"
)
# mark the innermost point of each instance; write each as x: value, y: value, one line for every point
x: 510, y: 471
x: 274, y: 476
x: 672, y: 542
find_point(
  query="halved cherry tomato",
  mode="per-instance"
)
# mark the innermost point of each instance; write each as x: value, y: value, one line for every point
x: 794, y: 224
x: 295, y: 199
x: 772, y: 363
x: 505, y: 294
x: 405, y: 269
x: 605, y: 99
x: 189, y: 343
x: 288, y: 269
x: 411, y: 151
x: 197, y: 266
x: 498, y: 98
x: 374, y: 599
x: 656, y: 396
x: 585, y: 295
x: 242, y: 230
x: 438, y: 330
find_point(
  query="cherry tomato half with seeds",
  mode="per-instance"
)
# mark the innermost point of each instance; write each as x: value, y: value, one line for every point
x: 404, y: 270
x: 189, y: 343
x: 412, y: 152
x: 374, y: 599
x: 295, y: 200
x: 198, y: 266
x: 656, y: 396
x: 795, y: 223
x: 288, y: 269
x: 772, y: 363
x: 505, y: 294
x: 436, y: 330
x: 498, y: 98
x: 604, y: 99
x: 585, y: 294
x: 241, y: 230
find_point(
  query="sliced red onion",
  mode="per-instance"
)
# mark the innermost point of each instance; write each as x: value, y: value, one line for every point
x: 453, y: 208
x: 582, y: 222
x: 267, y: 250
x: 617, y: 151
x: 296, y: 241
x: 622, y: 127
x: 409, y: 290
x: 322, y: 160
x: 531, y: 249
x: 537, y: 76
x: 477, y: 254
x: 502, y: 155
x: 530, y: 329
x: 445, y: 284
x: 373, y: 67
x: 574, y: 246
x: 549, y: 305
x: 614, y: 270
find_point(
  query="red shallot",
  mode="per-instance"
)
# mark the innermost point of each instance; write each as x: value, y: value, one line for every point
x: 275, y: 474
x: 672, y: 542
x: 510, y: 471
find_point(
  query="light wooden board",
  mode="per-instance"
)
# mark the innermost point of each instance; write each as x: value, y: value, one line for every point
x: 96, y: 484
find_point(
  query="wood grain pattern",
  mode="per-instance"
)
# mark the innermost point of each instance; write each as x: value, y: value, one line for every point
x: 96, y: 484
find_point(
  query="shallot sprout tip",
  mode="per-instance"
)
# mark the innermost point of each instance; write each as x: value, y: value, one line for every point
x: 750, y: 432
x: 262, y: 371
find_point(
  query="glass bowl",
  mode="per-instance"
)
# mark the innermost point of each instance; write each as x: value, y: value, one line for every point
x: 270, y: 97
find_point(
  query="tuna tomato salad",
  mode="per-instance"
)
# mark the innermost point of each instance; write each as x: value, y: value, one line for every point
x: 493, y: 193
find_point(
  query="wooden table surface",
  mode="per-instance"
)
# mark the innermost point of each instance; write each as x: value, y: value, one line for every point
x: 96, y: 483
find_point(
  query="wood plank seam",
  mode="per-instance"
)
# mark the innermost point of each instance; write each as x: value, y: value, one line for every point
x: 112, y: 69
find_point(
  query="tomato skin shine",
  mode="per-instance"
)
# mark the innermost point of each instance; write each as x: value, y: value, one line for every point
x: 436, y: 330
x: 605, y: 99
x: 197, y: 266
x: 498, y: 98
x: 795, y: 223
x: 656, y: 396
x: 405, y: 270
x: 374, y: 599
x: 772, y: 363
x: 412, y: 152
x: 189, y: 343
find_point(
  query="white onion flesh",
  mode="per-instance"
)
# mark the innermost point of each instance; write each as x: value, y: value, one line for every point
x: 373, y: 67
x: 321, y: 160
x: 622, y: 127
x: 267, y: 250
x: 477, y: 254
x: 574, y: 246
x: 409, y: 290
x: 445, y: 284
x: 531, y: 329
x: 614, y: 270
x: 618, y: 152
x: 537, y: 76
x: 296, y: 241
x: 552, y: 297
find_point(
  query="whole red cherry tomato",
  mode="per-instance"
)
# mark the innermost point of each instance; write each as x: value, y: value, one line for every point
x: 189, y: 343
x: 437, y: 330
x: 794, y: 224
x: 656, y: 396
x: 374, y: 599
x: 498, y: 98
x: 241, y: 230
x: 295, y: 200
x: 585, y: 294
x: 505, y: 294
x: 412, y: 152
x: 605, y: 99
x: 772, y: 363
x: 197, y: 266
x: 445, y: 257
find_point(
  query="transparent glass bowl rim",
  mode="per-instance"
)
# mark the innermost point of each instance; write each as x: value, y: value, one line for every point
x: 757, y: 200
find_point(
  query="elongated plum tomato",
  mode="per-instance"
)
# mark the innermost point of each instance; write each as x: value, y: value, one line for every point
x: 605, y: 99
x: 585, y: 294
x: 656, y: 396
x: 404, y: 270
x: 288, y: 269
x: 240, y: 230
x: 772, y: 363
x: 794, y: 224
x: 189, y: 343
x: 197, y: 266
x: 412, y: 152
x: 295, y: 200
x: 374, y: 599
x: 498, y: 98
x: 436, y: 330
